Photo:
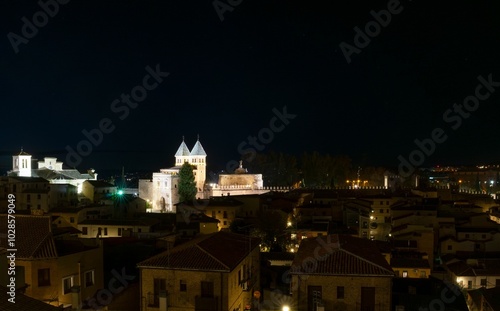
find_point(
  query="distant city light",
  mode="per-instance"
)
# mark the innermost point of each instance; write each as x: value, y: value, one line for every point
x: 120, y: 192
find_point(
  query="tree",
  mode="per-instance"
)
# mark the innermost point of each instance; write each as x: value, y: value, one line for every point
x: 187, y: 185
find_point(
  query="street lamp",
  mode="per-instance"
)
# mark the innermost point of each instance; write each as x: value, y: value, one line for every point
x: 285, y: 308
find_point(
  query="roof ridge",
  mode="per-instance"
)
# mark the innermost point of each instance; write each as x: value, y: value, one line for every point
x: 47, y: 239
x: 212, y: 256
x: 364, y: 259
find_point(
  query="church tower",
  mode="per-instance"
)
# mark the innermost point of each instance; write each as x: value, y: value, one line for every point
x: 198, y: 158
x: 21, y: 164
x: 182, y: 154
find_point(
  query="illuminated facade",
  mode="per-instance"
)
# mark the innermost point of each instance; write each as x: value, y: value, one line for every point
x: 161, y: 191
x: 49, y: 169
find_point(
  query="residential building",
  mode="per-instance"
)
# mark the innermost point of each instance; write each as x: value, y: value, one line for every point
x: 219, y: 271
x: 99, y: 191
x: 113, y: 228
x: 53, y: 266
x: 341, y: 272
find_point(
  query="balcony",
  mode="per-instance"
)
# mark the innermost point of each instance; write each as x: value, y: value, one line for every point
x: 206, y: 303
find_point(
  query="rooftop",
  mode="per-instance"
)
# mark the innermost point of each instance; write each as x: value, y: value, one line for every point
x: 341, y: 255
x: 221, y: 251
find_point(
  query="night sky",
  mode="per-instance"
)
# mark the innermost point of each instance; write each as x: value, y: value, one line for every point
x: 226, y: 77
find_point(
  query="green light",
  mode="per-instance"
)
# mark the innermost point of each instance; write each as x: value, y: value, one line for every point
x: 120, y: 192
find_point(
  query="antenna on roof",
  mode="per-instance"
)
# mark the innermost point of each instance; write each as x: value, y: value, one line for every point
x: 182, y: 137
x: 198, y: 137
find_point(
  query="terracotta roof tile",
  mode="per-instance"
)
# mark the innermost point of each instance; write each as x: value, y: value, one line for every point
x: 342, y: 255
x: 33, y: 237
x: 221, y: 251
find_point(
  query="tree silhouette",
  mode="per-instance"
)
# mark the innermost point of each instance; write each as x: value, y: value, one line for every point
x: 187, y: 185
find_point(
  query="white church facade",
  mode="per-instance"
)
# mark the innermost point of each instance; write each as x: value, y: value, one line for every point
x: 161, y: 191
x: 49, y: 169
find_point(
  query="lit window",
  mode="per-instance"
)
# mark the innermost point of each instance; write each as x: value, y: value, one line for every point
x: 183, y: 286
x: 405, y: 274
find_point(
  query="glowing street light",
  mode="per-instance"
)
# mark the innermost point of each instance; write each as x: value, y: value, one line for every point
x: 285, y: 308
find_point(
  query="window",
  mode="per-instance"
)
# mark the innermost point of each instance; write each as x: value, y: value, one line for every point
x: 497, y: 282
x: 340, y: 292
x: 478, y: 246
x: 483, y: 282
x: 72, y: 220
x: 484, y: 236
x: 469, y: 284
x: 67, y: 284
x: 405, y: 274
x: 450, y: 247
x: 119, y: 231
x: 423, y: 274
x: 43, y: 277
x: 386, y: 202
x: 225, y: 223
x: 213, y: 214
x: 158, y: 286
x: 381, y: 211
x: 467, y: 236
x: 89, y: 278
x: 105, y: 231
x: 38, y: 196
x: 396, y: 273
x: 28, y: 198
x: 183, y: 286
x: 84, y: 230
x: 381, y: 202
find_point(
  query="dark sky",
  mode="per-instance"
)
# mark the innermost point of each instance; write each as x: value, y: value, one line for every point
x: 226, y: 77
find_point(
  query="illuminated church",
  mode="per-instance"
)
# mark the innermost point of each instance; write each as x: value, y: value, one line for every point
x: 161, y: 191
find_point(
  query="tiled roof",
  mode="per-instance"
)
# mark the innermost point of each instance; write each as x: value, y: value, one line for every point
x: 23, y: 303
x: 343, y: 255
x: 221, y: 251
x: 33, y: 237
x: 198, y: 150
x: 183, y: 150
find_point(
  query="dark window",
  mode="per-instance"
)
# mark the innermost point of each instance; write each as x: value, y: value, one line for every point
x: 38, y: 196
x: 28, y: 198
x: 89, y: 278
x: 467, y: 236
x: 44, y: 277
x: 84, y: 231
x: 368, y: 298
x: 340, y: 292
x: 72, y: 220
x: 478, y: 246
x: 469, y: 284
x: 207, y: 289
x: 483, y: 282
x: 183, y: 286
x: 450, y: 247
x: 67, y: 284
x: 314, y: 297
x: 497, y: 282
x: 119, y: 231
x: 105, y: 231
x: 225, y: 223
x: 381, y: 211
x: 484, y: 236
x: 213, y: 214
x: 139, y: 230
